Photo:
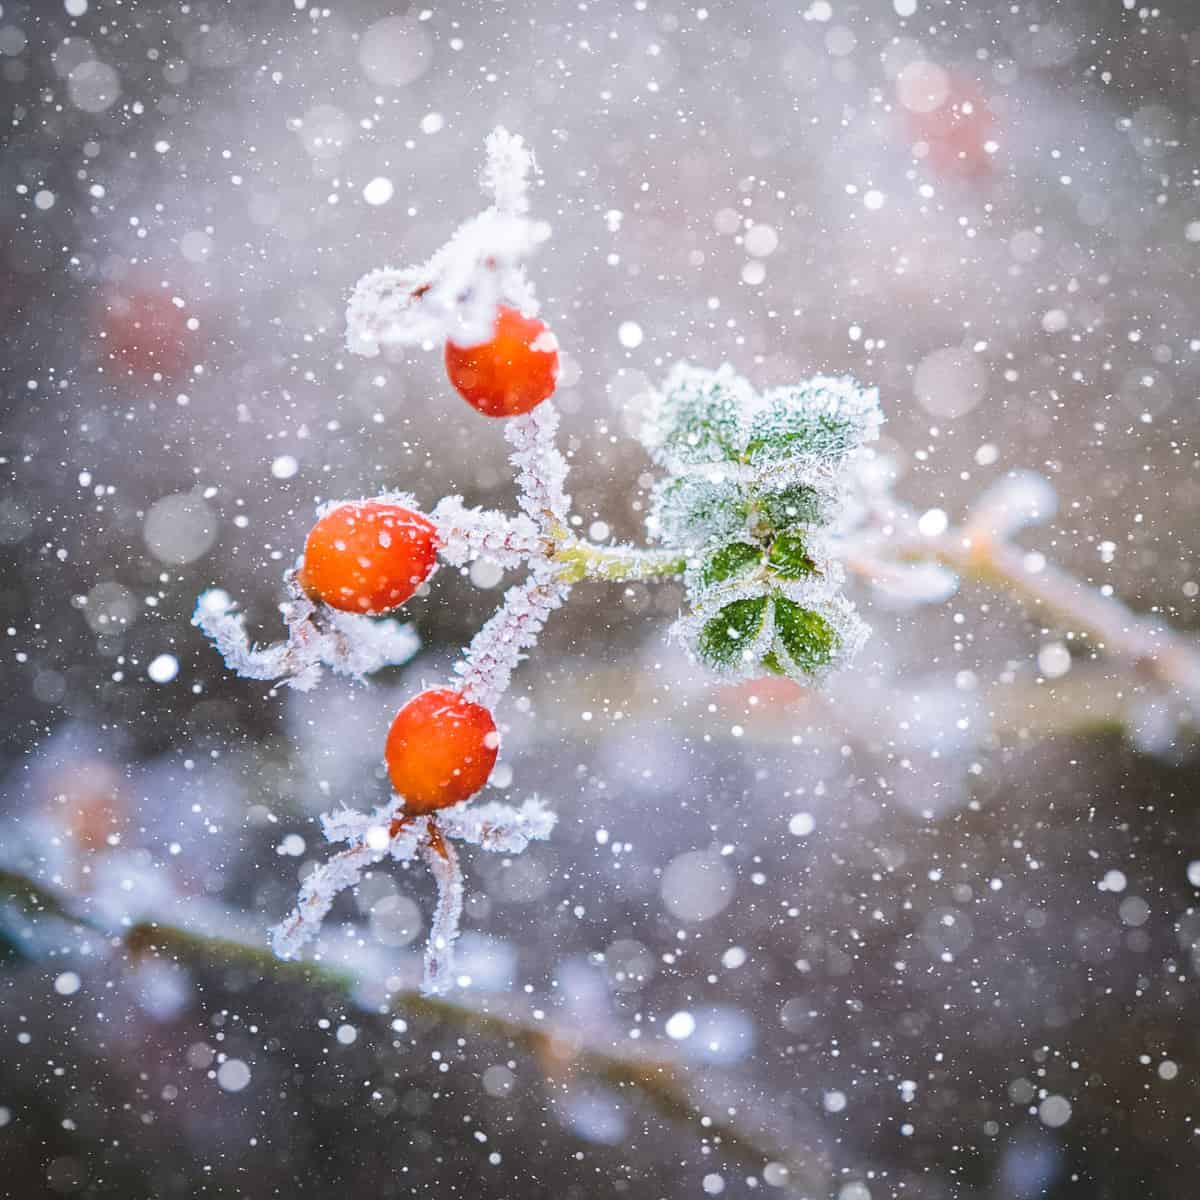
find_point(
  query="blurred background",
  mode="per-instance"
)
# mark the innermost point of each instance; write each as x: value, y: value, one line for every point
x: 932, y: 934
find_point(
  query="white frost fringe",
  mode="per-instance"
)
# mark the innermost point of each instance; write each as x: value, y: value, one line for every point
x: 540, y: 466
x: 498, y: 647
x: 346, y: 643
x: 442, y: 860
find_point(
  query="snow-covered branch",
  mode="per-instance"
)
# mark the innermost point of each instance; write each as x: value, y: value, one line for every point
x: 540, y: 467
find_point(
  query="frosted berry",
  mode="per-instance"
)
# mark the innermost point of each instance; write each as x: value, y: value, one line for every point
x: 368, y: 556
x: 440, y: 750
x: 511, y: 374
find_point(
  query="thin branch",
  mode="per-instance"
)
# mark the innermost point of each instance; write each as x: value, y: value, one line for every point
x: 1151, y: 645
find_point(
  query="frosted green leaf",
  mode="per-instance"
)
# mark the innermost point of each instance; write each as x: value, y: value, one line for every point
x: 809, y: 640
x: 693, y: 511
x: 698, y: 417
x: 798, y: 505
x: 789, y: 557
x: 724, y: 639
x: 730, y: 561
x: 822, y: 418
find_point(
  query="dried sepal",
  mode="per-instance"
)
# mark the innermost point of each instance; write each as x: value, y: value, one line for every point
x: 454, y: 296
x: 318, y: 637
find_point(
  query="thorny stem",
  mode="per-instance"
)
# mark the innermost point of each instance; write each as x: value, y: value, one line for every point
x: 663, y: 1085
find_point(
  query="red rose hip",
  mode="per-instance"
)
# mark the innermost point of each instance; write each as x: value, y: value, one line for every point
x: 440, y: 750
x: 368, y: 556
x: 510, y: 375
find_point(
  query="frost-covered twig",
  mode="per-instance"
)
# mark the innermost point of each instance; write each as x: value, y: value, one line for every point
x: 498, y: 827
x: 893, y: 538
x: 498, y: 647
x: 506, y: 171
x: 318, y: 637
x: 371, y: 839
x: 1149, y: 644
x: 467, y: 533
x: 540, y: 467
x: 442, y: 860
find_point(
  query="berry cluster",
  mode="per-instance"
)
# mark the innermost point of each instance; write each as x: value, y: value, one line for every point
x: 750, y: 483
x: 370, y: 556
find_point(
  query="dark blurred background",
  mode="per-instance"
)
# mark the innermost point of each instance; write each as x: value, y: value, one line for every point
x: 934, y: 942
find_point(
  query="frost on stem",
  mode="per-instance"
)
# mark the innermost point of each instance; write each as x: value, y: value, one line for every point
x: 753, y: 482
x: 513, y: 628
x: 317, y: 637
x: 506, y: 172
x: 540, y: 467
x: 467, y: 533
x: 454, y: 296
x: 442, y: 860
x: 369, y: 840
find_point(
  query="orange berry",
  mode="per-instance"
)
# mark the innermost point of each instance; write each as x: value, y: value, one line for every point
x: 440, y: 750
x: 511, y: 374
x: 368, y: 556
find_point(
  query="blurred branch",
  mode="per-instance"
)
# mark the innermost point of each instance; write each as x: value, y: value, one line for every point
x: 1154, y: 649
x: 660, y: 1083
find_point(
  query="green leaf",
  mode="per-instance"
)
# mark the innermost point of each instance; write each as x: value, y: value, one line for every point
x: 699, y: 415
x: 732, y: 560
x: 821, y: 418
x: 798, y: 505
x: 808, y: 638
x: 724, y: 639
x: 789, y: 557
x: 695, y: 512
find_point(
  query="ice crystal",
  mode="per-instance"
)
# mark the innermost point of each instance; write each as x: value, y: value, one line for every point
x: 498, y: 647
x: 540, y: 467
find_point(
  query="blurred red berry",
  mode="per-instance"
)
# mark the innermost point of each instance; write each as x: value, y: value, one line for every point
x: 368, y: 556
x: 146, y: 332
x: 511, y: 374
x: 440, y: 750
x: 950, y: 116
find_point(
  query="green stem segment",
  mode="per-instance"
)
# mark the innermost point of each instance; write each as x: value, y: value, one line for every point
x: 614, y: 564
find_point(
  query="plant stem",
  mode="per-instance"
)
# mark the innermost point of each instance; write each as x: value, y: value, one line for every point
x: 614, y: 564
